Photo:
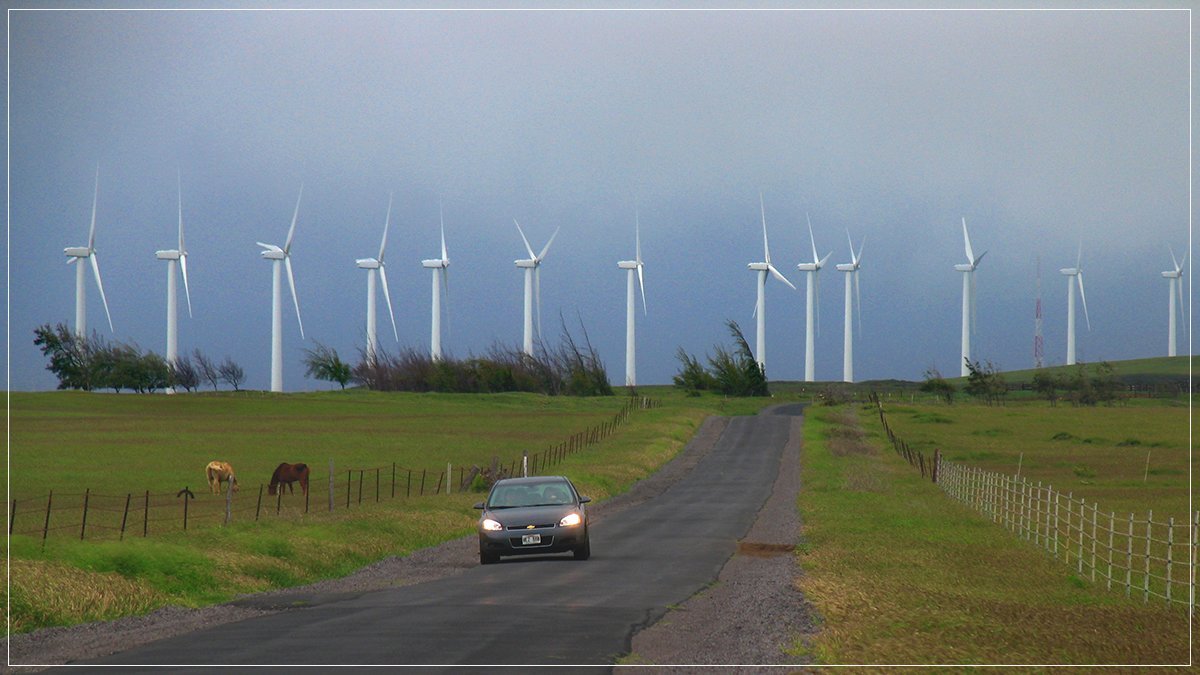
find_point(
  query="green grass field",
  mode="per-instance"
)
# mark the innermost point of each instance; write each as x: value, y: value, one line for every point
x: 127, y: 443
x: 901, y: 574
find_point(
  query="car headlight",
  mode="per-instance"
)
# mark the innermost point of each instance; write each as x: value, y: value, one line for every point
x: 570, y: 520
x: 492, y: 525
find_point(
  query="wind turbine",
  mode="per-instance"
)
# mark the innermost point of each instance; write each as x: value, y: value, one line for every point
x: 1175, y: 279
x: 814, y: 286
x: 968, y: 303
x: 760, y: 308
x: 533, y: 287
x: 439, y: 267
x: 1077, y: 272
x: 375, y: 267
x: 76, y: 254
x: 851, y: 280
x: 280, y: 257
x: 175, y: 257
x: 630, y: 303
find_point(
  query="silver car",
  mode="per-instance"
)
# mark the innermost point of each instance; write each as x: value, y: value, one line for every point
x: 534, y: 515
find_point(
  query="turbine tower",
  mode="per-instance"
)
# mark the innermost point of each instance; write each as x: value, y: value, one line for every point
x: 851, y: 269
x: 533, y: 287
x: 814, y: 293
x: 279, y: 258
x: 1077, y: 273
x: 968, y: 303
x: 632, y: 266
x: 1174, y: 277
x: 439, y: 267
x: 76, y: 254
x: 760, y: 308
x: 175, y: 257
x: 374, y: 267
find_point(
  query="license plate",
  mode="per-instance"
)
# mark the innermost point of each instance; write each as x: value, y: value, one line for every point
x: 530, y: 539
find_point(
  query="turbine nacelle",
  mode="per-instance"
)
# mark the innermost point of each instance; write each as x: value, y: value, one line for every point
x: 1070, y: 271
x: 760, y: 266
x: 629, y: 264
x: 847, y: 267
x: 168, y: 255
x: 534, y: 262
x: 368, y: 263
x: 436, y: 264
x: 1172, y: 274
x: 76, y: 252
x: 965, y: 268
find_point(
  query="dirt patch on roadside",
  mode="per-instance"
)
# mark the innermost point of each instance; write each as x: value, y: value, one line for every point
x: 753, y: 612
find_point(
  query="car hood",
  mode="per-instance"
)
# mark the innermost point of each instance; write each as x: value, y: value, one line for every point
x: 520, y: 516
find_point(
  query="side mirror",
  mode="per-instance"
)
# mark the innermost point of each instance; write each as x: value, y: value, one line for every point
x: 479, y: 506
x: 584, y: 500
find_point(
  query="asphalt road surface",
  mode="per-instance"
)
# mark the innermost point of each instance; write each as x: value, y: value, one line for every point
x: 526, y: 611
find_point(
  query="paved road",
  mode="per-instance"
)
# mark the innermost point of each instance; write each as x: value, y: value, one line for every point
x: 544, y: 611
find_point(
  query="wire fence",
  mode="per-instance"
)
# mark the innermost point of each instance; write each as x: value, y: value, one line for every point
x: 92, y: 515
x: 1140, y: 555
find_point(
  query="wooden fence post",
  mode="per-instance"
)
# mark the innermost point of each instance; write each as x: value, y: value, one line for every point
x: 408, y: 487
x: 46, y: 527
x: 377, y: 484
x: 258, y: 508
x: 393, y: 480
x: 1170, y: 559
x: 125, y: 517
x: 1129, y: 559
x: 422, y: 483
x: 1095, y: 508
x: 1149, y: 531
x: 360, y: 482
x: 87, y: 493
x: 1112, y: 526
x: 145, y: 517
x: 331, y: 486
x: 12, y: 516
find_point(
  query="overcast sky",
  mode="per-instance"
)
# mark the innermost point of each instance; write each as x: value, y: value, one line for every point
x: 1044, y: 129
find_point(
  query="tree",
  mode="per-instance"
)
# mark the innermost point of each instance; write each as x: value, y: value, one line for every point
x: 733, y: 373
x: 185, y: 374
x: 70, y: 356
x: 324, y: 364
x: 692, y: 377
x: 231, y: 373
x: 937, y: 385
x: 985, y: 381
x: 1047, y: 385
x: 206, y: 368
x: 1105, y: 383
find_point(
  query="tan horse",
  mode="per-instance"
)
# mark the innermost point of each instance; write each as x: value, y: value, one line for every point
x: 220, y: 472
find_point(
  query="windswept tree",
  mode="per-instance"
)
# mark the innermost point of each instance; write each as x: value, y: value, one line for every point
x: 731, y: 372
x: 985, y: 381
x: 231, y: 373
x: 206, y: 368
x: 937, y: 385
x: 70, y: 356
x: 184, y: 374
x: 323, y: 363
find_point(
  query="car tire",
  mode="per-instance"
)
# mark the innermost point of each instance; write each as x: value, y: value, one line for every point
x: 488, y: 558
x: 585, y: 551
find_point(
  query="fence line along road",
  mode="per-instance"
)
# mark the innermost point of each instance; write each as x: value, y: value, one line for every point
x: 1154, y: 559
x: 90, y: 515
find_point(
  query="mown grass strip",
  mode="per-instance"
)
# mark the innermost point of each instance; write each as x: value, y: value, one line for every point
x: 902, y: 575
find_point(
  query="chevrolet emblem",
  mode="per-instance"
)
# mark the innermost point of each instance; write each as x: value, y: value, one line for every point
x: 529, y: 527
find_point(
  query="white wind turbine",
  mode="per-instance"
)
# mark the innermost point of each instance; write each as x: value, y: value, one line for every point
x: 76, y: 254
x: 968, y: 303
x: 1077, y: 273
x: 851, y: 280
x: 1175, y: 278
x: 375, y: 267
x: 533, y: 287
x: 175, y: 257
x: 813, y: 289
x: 281, y: 257
x: 630, y: 303
x: 760, y: 308
x: 439, y: 267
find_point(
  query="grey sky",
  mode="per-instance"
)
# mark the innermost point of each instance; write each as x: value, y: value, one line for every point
x: 1042, y: 128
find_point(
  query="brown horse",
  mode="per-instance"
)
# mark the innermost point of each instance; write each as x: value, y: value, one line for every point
x: 219, y: 472
x: 287, y: 474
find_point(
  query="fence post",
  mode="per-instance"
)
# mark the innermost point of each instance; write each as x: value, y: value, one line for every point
x: 422, y: 482
x: 145, y: 517
x: 125, y: 517
x: 349, y: 482
x: 331, y: 486
x: 1170, y: 559
x: 12, y: 516
x: 46, y: 527
x: 439, y: 485
x: 360, y: 482
x: 1095, y: 507
x: 258, y: 507
x: 1149, y: 531
x: 1112, y: 526
x: 187, y: 495
x: 408, y: 487
x: 449, y: 478
x: 377, y: 484
x: 393, y: 480
x: 1082, y: 521
x: 87, y: 493
x: 1129, y: 560
x: 1057, y: 508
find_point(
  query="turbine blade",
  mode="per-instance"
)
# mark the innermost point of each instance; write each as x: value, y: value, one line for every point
x: 1173, y: 261
x: 387, y: 221
x: 527, y: 246
x: 182, y: 250
x: 779, y: 275
x: 967, y: 240
x: 637, y: 230
x: 858, y: 259
x: 1079, y: 257
x: 857, y: 301
x: 1083, y: 297
x: 287, y: 261
x: 973, y: 312
x: 817, y: 297
x: 442, y: 220
x: 1179, y: 288
x: 287, y: 246
x: 537, y: 297
x: 100, y: 285
x: 812, y: 239
x: 977, y: 260
x: 851, y: 242
x: 387, y: 298
x: 642, y: 285
x: 269, y: 247
x: 186, y: 292
x: 822, y: 261
x: 766, y: 248
x: 547, y: 246
x: 91, y: 231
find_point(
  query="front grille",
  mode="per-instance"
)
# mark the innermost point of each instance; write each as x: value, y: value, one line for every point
x: 526, y: 526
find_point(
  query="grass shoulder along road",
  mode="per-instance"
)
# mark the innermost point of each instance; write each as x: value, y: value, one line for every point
x: 903, y: 575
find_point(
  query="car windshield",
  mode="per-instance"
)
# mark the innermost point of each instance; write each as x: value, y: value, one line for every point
x: 549, y: 493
